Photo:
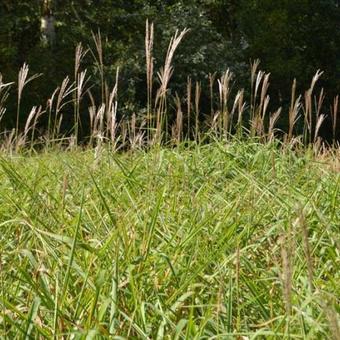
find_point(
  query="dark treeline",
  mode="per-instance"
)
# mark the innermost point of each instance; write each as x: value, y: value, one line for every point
x: 292, y: 39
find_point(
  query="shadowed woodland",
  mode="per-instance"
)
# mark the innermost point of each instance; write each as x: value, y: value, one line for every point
x: 98, y: 47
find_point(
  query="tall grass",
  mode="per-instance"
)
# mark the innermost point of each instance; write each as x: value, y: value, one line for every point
x: 232, y: 239
x: 239, y: 113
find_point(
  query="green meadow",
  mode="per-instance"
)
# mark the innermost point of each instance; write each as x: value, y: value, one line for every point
x: 228, y: 240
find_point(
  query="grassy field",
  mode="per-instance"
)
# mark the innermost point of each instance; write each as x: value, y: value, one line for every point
x: 219, y: 241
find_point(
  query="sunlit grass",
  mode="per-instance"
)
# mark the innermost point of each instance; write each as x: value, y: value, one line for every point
x: 190, y: 242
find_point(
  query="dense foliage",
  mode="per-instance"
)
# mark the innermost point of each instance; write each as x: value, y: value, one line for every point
x: 291, y: 38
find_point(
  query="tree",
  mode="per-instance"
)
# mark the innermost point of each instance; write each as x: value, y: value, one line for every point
x: 293, y: 39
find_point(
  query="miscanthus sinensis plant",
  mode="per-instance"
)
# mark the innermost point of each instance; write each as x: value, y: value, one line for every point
x: 74, y: 115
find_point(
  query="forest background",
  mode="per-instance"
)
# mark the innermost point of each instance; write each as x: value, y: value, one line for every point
x: 292, y: 39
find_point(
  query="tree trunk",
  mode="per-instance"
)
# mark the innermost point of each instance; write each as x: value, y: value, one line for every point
x: 47, y: 26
